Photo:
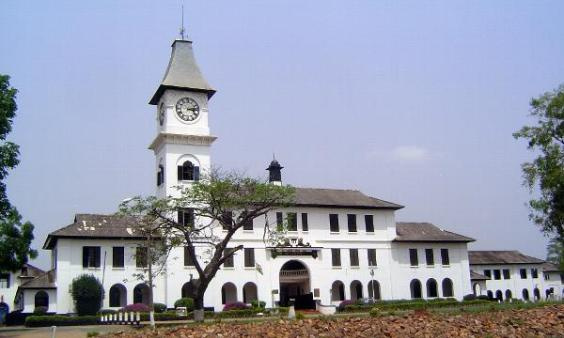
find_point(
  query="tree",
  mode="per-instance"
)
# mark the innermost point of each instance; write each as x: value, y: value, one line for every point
x: 546, y: 171
x: 15, y: 237
x: 555, y: 252
x: 205, y: 217
x: 88, y: 293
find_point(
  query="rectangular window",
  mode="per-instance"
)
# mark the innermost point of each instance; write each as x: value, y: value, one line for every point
x: 488, y: 273
x: 372, y: 257
x: 534, y: 273
x: 141, y: 257
x: 279, y: 221
x: 227, y: 219
x: 351, y: 220
x: 229, y: 262
x: 334, y: 222
x: 497, y: 274
x: 353, y: 253
x: 523, y: 273
x: 305, y: 226
x: 4, y: 280
x: 506, y: 274
x: 429, y: 257
x: 186, y: 217
x: 248, y: 225
x: 91, y: 256
x: 445, y: 259
x: 546, y: 276
x: 292, y: 221
x: 336, y: 257
x: 188, y: 261
x: 249, y: 257
x: 369, y: 221
x: 413, y: 259
x: 118, y: 257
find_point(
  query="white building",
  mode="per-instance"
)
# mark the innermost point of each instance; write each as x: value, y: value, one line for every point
x: 342, y: 244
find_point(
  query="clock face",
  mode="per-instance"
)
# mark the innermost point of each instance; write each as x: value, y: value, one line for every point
x: 161, y: 114
x: 187, y: 109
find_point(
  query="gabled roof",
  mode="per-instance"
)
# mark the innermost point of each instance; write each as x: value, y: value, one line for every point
x: 95, y: 226
x: 550, y: 267
x: 426, y: 232
x: 339, y: 198
x: 182, y: 72
x: 477, y: 276
x: 32, y: 271
x: 501, y: 257
x: 43, y: 281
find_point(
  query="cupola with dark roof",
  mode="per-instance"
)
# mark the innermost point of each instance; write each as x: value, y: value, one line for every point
x: 275, y: 172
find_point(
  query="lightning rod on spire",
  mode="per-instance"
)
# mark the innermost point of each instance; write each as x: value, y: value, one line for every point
x: 182, y: 30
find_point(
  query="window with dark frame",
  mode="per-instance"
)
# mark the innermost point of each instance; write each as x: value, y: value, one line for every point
x: 188, y: 172
x: 506, y: 274
x: 429, y: 257
x: 305, y: 226
x: 229, y: 262
x: 336, y: 257
x: 141, y: 257
x: 292, y: 221
x: 372, y: 257
x: 523, y: 273
x: 445, y: 258
x: 188, y: 260
x: 353, y: 253
x: 160, y: 175
x: 413, y: 259
x: 248, y: 224
x: 369, y: 221
x: 227, y: 219
x: 91, y: 256
x: 4, y: 280
x: 279, y: 221
x: 534, y: 273
x: 249, y: 257
x: 186, y: 217
x: 488, y: 273
x: 334, y: 222
x: 497, y: 274
x: 351, y: 221
x: 118, y: 260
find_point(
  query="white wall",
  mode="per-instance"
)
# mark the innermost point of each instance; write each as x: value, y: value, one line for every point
x: 515, y: 283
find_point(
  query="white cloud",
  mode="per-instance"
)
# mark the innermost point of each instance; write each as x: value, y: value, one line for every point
x: 410, y: 153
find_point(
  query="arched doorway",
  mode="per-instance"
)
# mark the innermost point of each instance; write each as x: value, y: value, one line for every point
x: 374, y: 290
x: 118, y: 296
x: 432, y: 291
x: 525, y: 294
x: 42, y: 299
x: 295, y: 286
x: 508, y: 295
x: 356, y: 290
x: 415, y: 287
x: 447, y: 288
x: 476, y: 289
x: 141, y: 294
x: 337, y: 291
x: 228, y: 293
x: 536, y: 292
x: 188, y: 290
x: 250, y: 293
x: 490, y: 294
x: 499, y: 295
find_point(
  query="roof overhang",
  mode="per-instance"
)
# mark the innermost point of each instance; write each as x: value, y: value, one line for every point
x: 160, y: 91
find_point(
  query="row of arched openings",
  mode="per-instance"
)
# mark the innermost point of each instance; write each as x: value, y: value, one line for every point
x: 229, y: 293
x: 500, y: 296
x: 355, y: 290
x: 431, y: 288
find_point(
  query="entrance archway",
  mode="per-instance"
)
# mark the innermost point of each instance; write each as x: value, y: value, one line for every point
x: 295, y: 286
x: 356, y: 290
x: 141, y: 294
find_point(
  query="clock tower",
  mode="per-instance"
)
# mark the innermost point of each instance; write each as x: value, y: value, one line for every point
x: 183, y: 140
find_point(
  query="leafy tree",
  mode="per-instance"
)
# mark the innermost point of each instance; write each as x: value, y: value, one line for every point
x: 88, y: 293
x: 546, y: 171
x: 15, y: 237
x: 213, y: 210
x: 555, y: 252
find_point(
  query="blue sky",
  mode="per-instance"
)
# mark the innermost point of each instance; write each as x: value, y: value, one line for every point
x: 413, y: 102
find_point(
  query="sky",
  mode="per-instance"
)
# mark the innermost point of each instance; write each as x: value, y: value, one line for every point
x: 414, y: 102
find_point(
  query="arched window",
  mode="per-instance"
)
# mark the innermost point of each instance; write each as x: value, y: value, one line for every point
x: 525, y: 294
x: 374, y: 290
x: 42, y: 299
x: 499, y: 295
x: 249, y: 292
x: 356, y: 290
x: 536, y: 292
x: 432, y: 288
x: 118, y: 296
x: 160, y: 175
x: 415, y: 287
x: 490, y: 294
x: 188, y: 172
x: 508, y: 295
x: 337, y: 291
x: 475, y: 289
x: 141, y: 294
x: 188, y: 290
x: 447, y: 288
x: 228, y: 293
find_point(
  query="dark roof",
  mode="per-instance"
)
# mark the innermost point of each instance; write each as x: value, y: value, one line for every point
x: 501, y: 257
x: 550, y: 267
x: 43, y: 281
x: 477, y: 276
x: 426, y: 232
x: 95, y: 226
x: 339, y: 198
x: 182, y: 72
x: 32, y: 271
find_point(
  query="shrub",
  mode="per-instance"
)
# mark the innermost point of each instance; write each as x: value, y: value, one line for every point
x: 159, y: 307
x: 106, y: 312
x: 56, y: 320
x: 375, y: 312
x: 137, y: 307
x: 92, y: 334
x: 300, y: 315
x: 40, y: 310
x: 237, y: 313
x: 16, y: 318
x: 165, y: 316
x: 258, y: 304
x: 344, y: 304
x: 185, y: 302
x: 87, y: 292
x: 235, y: 306
x: 469, y: 297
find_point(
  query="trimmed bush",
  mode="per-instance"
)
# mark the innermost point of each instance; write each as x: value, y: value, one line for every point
x: 87, y: 292
x: 159, y: 307
x: 165, y: 316
x: 375, y: 312
x: 300, y: 315
x: 237, y: 313
x: 106, y: 312
x: 469, y: 297
x: 256, y: 304
x: 137, y: 307
x: 56, y: 320
x: 40, y: 310
x: 186, y: 302
x: 16, y: 318
x: 344, y: 304
x: 235, y: 306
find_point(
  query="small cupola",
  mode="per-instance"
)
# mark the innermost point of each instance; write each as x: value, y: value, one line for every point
x: 275, y: 172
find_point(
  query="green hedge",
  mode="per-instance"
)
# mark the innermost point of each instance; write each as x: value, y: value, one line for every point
x: 165, y: 316
x: 237, y: 313
x: 56, y: 320
x: 412, y: 304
